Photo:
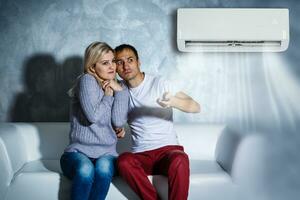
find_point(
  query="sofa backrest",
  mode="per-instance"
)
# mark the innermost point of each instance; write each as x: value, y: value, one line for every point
x: 47, y: 140
x: 199, y: 140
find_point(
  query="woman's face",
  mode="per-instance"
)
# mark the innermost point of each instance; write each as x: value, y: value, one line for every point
x: 105, y: 68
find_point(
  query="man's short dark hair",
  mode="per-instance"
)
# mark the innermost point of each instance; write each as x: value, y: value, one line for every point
x: 127, y: 46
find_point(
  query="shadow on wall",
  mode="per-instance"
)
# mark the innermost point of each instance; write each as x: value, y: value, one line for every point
x: 45, y: 94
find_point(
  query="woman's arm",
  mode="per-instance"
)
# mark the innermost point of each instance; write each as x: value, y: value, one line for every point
x: 95, y: 105
x: 120, y: 107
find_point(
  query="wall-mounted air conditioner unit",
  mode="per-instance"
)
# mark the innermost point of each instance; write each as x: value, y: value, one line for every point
x: 232, y: 29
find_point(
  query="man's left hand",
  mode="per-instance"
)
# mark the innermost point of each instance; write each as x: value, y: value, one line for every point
x: 120, y: 132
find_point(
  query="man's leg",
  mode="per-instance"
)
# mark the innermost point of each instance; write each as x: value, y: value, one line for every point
x: 174, y: 163
x: 134, y: 169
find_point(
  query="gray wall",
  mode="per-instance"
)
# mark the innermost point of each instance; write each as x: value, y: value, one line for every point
x: 42, y: 43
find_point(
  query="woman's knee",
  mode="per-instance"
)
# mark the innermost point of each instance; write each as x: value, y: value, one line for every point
x: 105, y: 166
x: 77, y: 165
x: 85, y: 171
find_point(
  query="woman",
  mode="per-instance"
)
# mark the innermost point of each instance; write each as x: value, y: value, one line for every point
x: 98, y: 107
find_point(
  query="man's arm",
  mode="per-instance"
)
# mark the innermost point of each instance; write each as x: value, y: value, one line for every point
x: 181, y: 101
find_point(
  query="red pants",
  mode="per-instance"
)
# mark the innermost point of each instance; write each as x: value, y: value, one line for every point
x: 170, y: 161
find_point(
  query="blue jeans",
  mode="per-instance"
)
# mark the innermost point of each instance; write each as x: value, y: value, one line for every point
x: 90, y: 177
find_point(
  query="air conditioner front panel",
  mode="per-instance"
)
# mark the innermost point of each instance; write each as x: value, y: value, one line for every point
x: 213, y: 25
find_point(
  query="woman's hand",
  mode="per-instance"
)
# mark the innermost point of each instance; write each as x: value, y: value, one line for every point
x: 115, y: 85
x: 108, y: 91
x: 109, y: 86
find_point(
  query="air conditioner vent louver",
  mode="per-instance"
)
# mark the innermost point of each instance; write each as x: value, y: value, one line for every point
x: 233, y: 43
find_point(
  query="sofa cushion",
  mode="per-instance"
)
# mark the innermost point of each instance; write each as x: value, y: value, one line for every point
x: 39, y: 180
x: 43, y: 179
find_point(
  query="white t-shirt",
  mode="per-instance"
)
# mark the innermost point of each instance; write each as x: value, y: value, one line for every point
x: 151, y: 125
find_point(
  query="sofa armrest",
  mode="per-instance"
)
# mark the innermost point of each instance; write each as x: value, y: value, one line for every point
x: 5, y: 168
x: 12, y: 154
x: 226, y: 148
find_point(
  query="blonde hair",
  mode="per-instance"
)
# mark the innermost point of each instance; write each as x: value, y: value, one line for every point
x: 91, y: 56
x: 93, y: 53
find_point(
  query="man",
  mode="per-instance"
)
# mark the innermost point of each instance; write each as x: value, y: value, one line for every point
x: 155, y: 147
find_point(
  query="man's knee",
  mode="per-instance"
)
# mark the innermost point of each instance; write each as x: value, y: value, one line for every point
x: 125, y: 161
x: 179, y: 160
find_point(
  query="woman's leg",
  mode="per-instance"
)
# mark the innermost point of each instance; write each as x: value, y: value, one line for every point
x: 80, y: 169
x: 104, y: 172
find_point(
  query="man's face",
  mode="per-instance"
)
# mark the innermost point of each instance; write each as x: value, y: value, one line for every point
x: 128, y: 66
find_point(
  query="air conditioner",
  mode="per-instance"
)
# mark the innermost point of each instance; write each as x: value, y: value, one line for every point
x: 232, y: 29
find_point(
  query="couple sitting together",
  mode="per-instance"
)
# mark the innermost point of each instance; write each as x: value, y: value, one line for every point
x: 101, y: 106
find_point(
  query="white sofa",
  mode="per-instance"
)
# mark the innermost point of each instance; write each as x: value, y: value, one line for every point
x: 30, y: 169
